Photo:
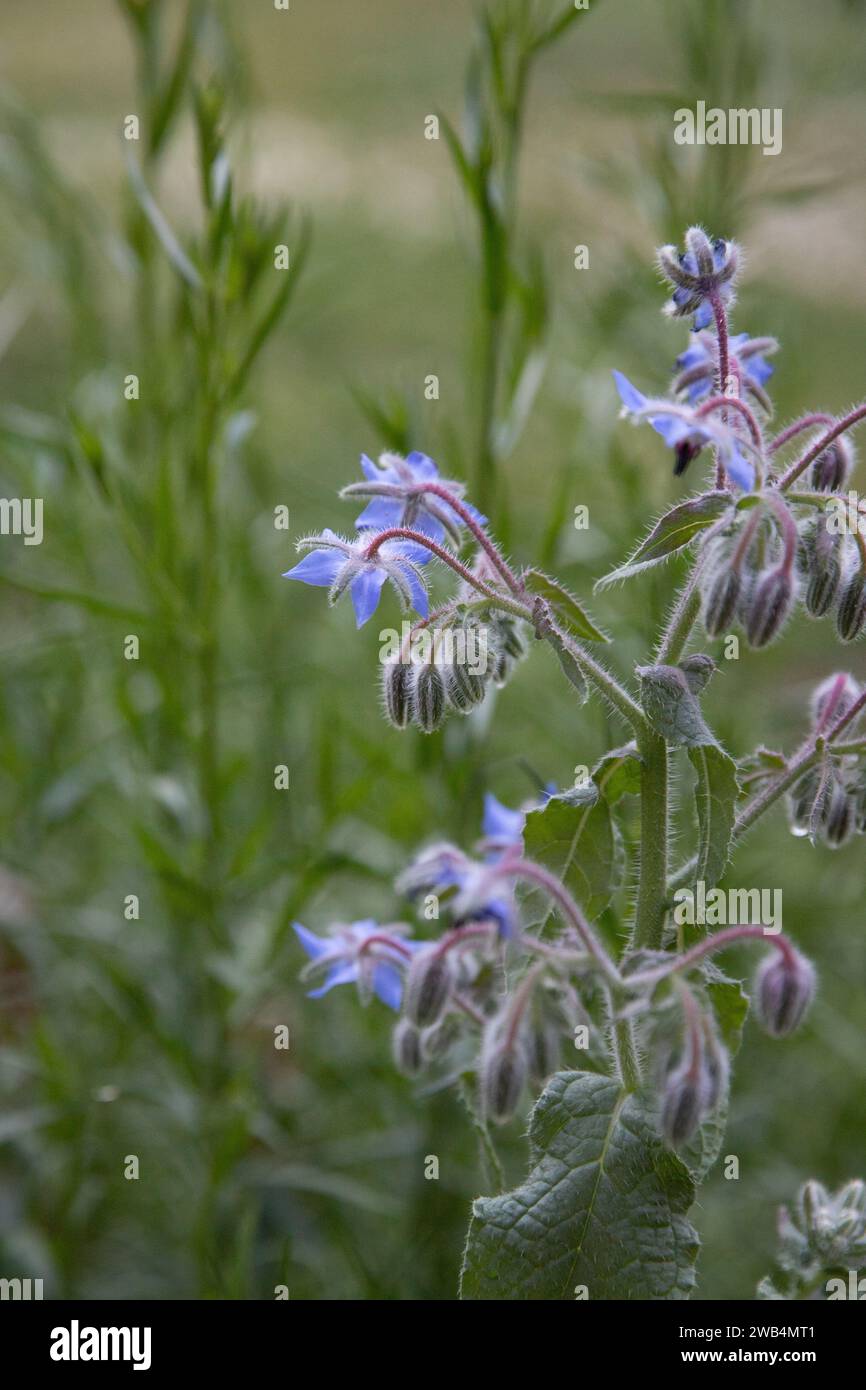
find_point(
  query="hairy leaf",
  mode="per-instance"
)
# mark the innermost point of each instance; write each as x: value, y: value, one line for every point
x: 716, y: 792
x: 674, y: 530
x: 564, y: 604
x: 604, y: 1205
x: 572, y: 835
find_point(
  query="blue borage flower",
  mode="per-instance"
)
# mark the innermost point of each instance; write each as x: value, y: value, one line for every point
x: 337, y: 563
x: 396, y: 484
x: 481, y: 894
x: 686, y: 433
x: 503, y: 827
x: 698, y: 367
x: 705, y: 268
x: 361, y: 953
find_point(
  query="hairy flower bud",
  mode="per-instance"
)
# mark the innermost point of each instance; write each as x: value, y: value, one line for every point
x: 683, y: 1103
x: 720, y: 596
x: 429, y: 982
x: 839, y: 817
x: 406, y: 1048
x: 770, y: 605
x: 832, y: 468
x: 823, y: 569
x: 397, y: 692
x: 716, y: 1073
x: 464, y: 688
x: 502, y: 1078
x: 834, y: 697
x: 784, y: 989
x: 543, y: 1050
x: 801, y: 801
x: 698, y: 670
x: 851, y: 612
x: 429, y: 697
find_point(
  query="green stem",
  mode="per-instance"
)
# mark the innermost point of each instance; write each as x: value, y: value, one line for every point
x: 651, y: 905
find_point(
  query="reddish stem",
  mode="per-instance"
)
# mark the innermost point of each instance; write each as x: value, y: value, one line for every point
x: 797, y: 427
x: 455, y: 503
x: 719, y: 941
x: 724, y: 365
x: 406, y: 533
x: 812, y: 453
x: 722, y: 402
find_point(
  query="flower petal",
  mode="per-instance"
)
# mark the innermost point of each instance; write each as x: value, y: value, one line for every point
x: 343, y: 974
x: 314, y: 946
x: 319, y: 567
x: 388, y: 984
x: 365, y: 589
x: 631, y: 398
x: 500, y: 822
x: 381, y: 514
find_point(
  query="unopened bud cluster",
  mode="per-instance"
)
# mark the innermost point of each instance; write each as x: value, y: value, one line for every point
x: 455, y: 673
x: 828, y: 803
x: 834, y: 577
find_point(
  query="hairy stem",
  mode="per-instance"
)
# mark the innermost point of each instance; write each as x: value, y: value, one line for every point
x: 651, y: 904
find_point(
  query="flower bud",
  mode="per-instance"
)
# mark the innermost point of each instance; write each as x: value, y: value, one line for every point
x: 784, y: 989
x: 801, y: 801
x: 429, y: 982
x: 769, y: 607
x: 543, y: 1050
x: 406, y: 1048
x: 851, y: 613
x: 502, y: 1078
x: 822, y: 568
x: 683, y: 1103
x: 832, y: 468
x: 698, y: 670
x: 839, y: 818
x: 834, y: 697
x: 429, y: 697
x: 463, y: 687
x: 716, y: 1073
x: 397, y: 692
x: 720, y: 600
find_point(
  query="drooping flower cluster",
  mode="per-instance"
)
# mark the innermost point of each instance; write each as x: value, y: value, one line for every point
x: 491, y: 983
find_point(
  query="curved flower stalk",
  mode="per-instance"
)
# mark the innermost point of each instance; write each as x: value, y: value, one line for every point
x: 531, y: 948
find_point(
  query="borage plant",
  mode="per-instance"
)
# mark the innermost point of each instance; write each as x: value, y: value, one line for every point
x: 539, y: 938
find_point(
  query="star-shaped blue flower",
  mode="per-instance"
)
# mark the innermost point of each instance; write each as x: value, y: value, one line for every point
x: 698, y: 365
x: 396, y: 488
x: 686, y: 434
x: 348, y: 957
x: 337, y: 563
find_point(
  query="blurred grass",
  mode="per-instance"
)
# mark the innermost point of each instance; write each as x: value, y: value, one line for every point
x: 307, y: 1168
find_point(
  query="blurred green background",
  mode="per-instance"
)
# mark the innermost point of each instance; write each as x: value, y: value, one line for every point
x: 154, y: 1037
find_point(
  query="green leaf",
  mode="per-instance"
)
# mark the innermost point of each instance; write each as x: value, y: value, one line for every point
x: 716, y: 792
x: 617, y: 773
x: 565, y: 606
x: 672, y: 708
x: 604, y: 1205
x: 572, y: 835
x: 674, y: 530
